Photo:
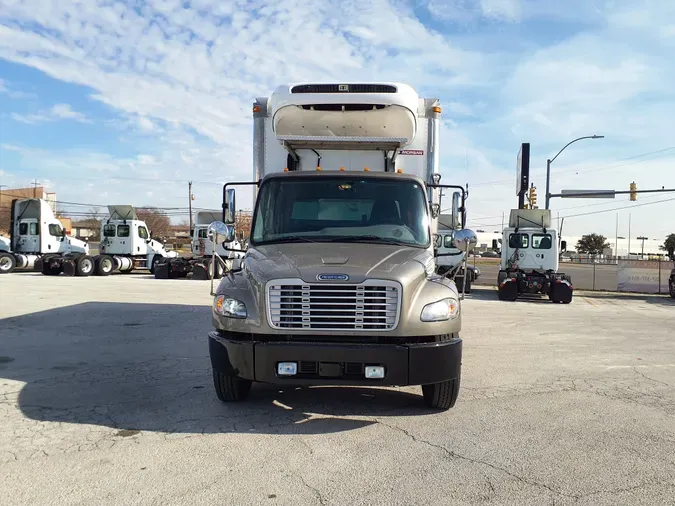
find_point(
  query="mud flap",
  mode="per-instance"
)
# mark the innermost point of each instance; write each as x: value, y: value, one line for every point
x: 68, y: 267
x: 200, y: 271
x: 508, y: 290
x: 162, y: 271
x: 561, y: 291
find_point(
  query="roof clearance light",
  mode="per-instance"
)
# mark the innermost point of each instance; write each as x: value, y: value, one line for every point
x: 342, y: 169
x: 436, y: 109
x: 318, y: 168
x: 285, y: 169
x: 256, y: 108
x: 366, y: 169
x: 400, y: 171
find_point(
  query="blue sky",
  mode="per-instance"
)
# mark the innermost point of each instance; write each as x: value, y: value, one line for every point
x: 124, y: 102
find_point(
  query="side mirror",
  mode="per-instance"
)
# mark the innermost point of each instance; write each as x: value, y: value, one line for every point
x: 435, y: 210
x: 563, y: 245
x: 229, y: 212
x: 220, y: 232
x: 456, y: 204
x: 465, y: 239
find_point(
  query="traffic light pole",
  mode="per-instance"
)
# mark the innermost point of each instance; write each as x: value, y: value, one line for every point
x: 608, y: 193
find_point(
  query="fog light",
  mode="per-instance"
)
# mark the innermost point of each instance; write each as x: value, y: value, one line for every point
x: 374, y: 372
x: 287, y: 368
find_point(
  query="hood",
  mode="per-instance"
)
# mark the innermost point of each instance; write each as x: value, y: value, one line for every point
x: 359, y: 261
x: 78, y: 245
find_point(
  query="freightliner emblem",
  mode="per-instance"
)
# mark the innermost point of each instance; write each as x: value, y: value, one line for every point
x: 332, y: 277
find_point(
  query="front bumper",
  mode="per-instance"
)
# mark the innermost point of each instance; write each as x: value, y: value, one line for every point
x: 336, y: 363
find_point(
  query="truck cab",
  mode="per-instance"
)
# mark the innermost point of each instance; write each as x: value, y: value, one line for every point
x: 338, y: 283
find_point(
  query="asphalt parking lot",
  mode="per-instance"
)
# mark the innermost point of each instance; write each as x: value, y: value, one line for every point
x: 106, y: 398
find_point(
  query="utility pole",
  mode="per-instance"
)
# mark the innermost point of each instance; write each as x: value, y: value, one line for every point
x: 628, y: 236
x: 35, y: 183
x: 190, y: 198
x: 643, y: 239
x: 616, y: 237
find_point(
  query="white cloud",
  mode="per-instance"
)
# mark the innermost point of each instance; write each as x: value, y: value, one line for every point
x: 183, y: 79
x: 55, y: 113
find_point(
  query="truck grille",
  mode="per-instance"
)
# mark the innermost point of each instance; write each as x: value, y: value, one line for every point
x: 343, y: 88
x: 369, y: 306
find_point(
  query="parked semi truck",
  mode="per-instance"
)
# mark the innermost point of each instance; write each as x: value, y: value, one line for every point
x: 36, y: 234
x: 450, y: 259
x: 201, y: 264
x: 125, y: 245
x: 671, y: 284
x: 338, y: 283
x: 530, y: 258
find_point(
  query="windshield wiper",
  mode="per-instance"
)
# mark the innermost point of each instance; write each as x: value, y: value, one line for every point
x: 292, y: 238
x: 365, y: 238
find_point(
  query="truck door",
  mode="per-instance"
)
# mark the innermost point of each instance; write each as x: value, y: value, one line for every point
x: 141, y: 240
x: 29, y: 236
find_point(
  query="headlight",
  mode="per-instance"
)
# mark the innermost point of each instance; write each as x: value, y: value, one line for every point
x: 444, y: 309
x: 226, y: 306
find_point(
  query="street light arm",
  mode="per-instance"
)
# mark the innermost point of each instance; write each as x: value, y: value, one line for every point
x: 575, y: 140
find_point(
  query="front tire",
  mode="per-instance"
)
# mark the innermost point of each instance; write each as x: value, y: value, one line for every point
x: 671, y: 287
x: 231, y: 388
x: 441, y: 395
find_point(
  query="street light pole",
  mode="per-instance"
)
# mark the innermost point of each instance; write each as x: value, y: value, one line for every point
x: 549, y: 161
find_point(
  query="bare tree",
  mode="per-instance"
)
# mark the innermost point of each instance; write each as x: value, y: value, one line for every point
x: 157, y: 221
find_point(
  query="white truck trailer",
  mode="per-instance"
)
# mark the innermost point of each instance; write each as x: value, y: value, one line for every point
x: 530, y: 258
x: 201, y: 264
x: 338, y: 283
x: 35, y: 235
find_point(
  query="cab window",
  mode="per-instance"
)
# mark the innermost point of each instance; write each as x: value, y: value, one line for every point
x: 142, y: 232
x: 34, y: 229
x: 449, y: 241
x: 519, y: 241
x: 202, y: 234
x: 109, y: 231
x: 541, y: 241
x: 122, y: 230
x: 55, y: 230
x: 23, y: 229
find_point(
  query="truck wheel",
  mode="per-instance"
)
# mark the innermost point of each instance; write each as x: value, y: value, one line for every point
x: 671, y: 287
x: 231, y: 388
x: 469, y: 280
x: 441, y: 395
x: 104, y: 265
x: 47, y: 268
x: 7, y: 263
x: 84, y: 265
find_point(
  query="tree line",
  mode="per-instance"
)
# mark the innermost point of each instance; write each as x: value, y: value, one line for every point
x: 595, y: 244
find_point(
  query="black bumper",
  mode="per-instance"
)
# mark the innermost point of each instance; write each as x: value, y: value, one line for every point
x: 336, y: 363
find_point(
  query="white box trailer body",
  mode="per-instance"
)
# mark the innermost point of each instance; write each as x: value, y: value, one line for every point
x: 200, y: 264
x: 382, y: 127
x: 35, y: 232
x: 530, y: 256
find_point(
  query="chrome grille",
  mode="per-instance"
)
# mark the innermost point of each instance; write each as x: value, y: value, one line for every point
x: 369, y: 306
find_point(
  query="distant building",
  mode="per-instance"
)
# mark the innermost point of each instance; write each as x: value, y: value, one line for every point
x: 9, y: 194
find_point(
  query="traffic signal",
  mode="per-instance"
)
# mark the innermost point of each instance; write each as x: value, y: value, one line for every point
x: 633, y: 191
x: 533, y: 197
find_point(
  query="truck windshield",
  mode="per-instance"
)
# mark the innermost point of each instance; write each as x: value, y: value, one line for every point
x: 334, y: 209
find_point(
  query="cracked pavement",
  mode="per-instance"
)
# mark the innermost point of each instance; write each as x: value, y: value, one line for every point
x: 106, y: 398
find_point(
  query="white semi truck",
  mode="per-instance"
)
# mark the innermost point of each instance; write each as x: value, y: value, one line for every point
x: 338, y: 283
x: 530, y: 258
x: 450, y: 260
x: 36, y: 234
x: 201, y: 263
